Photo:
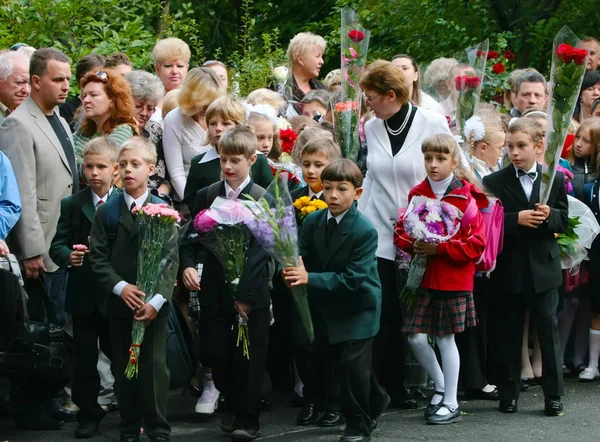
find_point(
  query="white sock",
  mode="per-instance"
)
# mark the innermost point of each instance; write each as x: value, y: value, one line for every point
x: 426, y: 357
x: 594, y: 349
x: 451, y: 366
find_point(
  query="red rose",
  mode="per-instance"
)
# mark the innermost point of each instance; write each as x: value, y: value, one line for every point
x: 473, y: 82
x: 493, y: 54
x: 480, y: 53
x: 461, y: 82
x: 580, y: 56
x: 508, y: 55
x: 288, y: 138
x: 565, y: 52
x: 356, y: 36
x: 498, y: 68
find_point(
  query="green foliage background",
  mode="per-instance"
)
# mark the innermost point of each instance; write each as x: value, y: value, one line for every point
x: 251, y: 35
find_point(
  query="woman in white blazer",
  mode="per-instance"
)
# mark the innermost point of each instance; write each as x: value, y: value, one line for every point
x: 394, y: 166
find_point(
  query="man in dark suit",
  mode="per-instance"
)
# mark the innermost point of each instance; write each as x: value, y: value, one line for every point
x: 528, y: 271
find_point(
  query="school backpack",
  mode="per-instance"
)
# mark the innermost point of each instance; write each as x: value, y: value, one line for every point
x: 493, y: 217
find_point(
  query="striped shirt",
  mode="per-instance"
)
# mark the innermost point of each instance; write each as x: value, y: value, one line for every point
x: 119, y: 135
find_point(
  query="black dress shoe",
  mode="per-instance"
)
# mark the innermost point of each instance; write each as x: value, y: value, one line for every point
x: 482, y: 395
x: 129, y: 437
x: 308, y: 415
x: 59, y: 413
x: 228, y: 423
x: 450, y: 418
x: 265, y: 405
x: 331, y: 419
x: 43, y: 423
x: 553, y: 407
x: 431, y: 409
x: 508, y: 406
x: 354, y: 438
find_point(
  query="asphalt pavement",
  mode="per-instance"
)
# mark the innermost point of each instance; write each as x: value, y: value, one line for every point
x: 481, y: 421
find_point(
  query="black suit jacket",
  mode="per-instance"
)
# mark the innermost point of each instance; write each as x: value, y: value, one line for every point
x: 530, y: 259
x: 253, y: 288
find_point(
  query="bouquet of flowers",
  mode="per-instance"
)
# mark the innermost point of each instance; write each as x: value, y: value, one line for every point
x: 468, y: 86
x: 497, y: 76
x: 428, y: 220
x: 568, y: 69
x: 346, y: 112
x: 156, y: 221
x: 568, y: 178
x: 274, y: 226
x: 224, y: 233
x: 304, y: 205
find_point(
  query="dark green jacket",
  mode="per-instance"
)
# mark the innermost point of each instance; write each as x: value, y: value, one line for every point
x: 77, y: 213
x: 116, y: 260
x: 203, y: 174
x: 343, y: 281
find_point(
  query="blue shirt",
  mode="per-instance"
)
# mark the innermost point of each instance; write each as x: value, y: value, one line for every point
x: 10, y: 201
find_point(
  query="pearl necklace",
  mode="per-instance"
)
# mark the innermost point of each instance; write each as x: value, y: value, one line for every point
x: 396, y: 132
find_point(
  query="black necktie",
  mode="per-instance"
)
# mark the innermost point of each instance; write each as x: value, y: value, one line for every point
x: 314, y: 197
x: 331, y: 225
x: 532, y: 175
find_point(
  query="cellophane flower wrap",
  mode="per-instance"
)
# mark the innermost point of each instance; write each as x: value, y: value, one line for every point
x: 469, y: 86
x: 346, y: 110
x: 568, y: 69
x: 155, y: 232
x: 274, y: 226
x: 428, y: 220
x: 222, y: 230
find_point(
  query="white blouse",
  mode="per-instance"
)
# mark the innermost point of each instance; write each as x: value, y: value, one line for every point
x: 428, y: 102
x: 183, y: 139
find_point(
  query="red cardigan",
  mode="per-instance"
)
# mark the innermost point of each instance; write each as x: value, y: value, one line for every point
x: 453, y: 267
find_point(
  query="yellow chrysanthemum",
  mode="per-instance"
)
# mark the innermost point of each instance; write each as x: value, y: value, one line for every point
x: 310, y: 209
x: 298, y: 204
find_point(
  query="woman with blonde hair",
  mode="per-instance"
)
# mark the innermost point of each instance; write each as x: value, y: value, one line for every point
x: 305, y: 57
x: 184, y: 135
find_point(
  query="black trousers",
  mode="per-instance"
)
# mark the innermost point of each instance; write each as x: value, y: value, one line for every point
x: 87, y: 331
x: 473, y: 342
x: 280, y: 353
x: 240, y: 379
x: 509, y: 317
x: 388, y: 345
x: 142, y: 400
x: 362, y: 399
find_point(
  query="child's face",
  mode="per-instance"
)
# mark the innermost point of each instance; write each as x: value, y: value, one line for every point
x: 312, y: 165
x: 99, y: 171
x: 522, y: 150
x: 492, y: 151
x: 582, y: 147
x: 264, y: 135
x: 217, y: 127
x: 134, y: 172
x: 439, y: 166
x: 340, y: 195
x: 236, y: 168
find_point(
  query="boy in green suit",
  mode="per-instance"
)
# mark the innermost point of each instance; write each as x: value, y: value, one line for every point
x: 84, y: 299
x: 114, y: 255
x: 339, y: 266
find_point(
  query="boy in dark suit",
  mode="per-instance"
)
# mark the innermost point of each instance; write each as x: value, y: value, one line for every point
x: 528, y: 271
x: 114, y: 255
x: 239, y: 379
x: 84, y: 298
x: 339, y: 266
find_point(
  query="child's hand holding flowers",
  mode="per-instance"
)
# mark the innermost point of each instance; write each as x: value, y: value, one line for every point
x: 424, y: 248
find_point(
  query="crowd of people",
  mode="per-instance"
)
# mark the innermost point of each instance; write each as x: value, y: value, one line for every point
x: 70, y: 163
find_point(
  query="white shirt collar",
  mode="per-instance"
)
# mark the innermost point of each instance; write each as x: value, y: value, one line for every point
x: 212, y: 154
x: 338, y: 218
x: 96, y: 199
x: 138, y: 201
x: 311, y: 193
x: 439, y: 187
x: 234, y: 194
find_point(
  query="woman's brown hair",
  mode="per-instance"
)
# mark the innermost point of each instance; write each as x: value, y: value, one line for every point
x: 593, y: 125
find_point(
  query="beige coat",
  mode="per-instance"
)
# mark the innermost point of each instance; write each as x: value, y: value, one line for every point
x: 43, y: 175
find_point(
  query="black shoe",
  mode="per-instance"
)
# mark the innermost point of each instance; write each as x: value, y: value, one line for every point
x: 57, y: 412
x: 453, y: 416
x: 86, y: 429
x: 553, y: 406
x: 508, y: 406
x: 431, y: 409
x: 354, y: 438
x: 228, y: 423
x: 265, y: 405
x: 331, y: 419
x: 244, y: 434
x: 308, y: 415
x: 482, y: 395
x: 375, y: 419
x: 129, y: 437
x: 43, y: 423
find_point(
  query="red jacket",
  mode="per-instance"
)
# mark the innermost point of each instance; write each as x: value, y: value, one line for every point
x: 453, y: 267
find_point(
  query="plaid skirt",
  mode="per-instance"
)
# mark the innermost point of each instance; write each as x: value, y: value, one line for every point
x: 440, y: 314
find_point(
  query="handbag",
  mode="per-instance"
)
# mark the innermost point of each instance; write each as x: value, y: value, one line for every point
x: 30, y: 349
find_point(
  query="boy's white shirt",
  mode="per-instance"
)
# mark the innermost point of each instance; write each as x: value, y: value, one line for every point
x: 96, y: 199
x: 526, y: 180
x: 312, y: 194
x: 157, y: 300
x: 231, y: 194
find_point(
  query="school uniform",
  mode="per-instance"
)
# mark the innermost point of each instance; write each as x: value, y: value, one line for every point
x: 84, y: 298
x: 344, y: 288
x: 205, y: 169
x: 591, y: 193
x: 142, y: 401
x: 527, y: 277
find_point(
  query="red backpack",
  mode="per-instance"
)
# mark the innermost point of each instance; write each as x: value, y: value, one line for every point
x: 493, y: 216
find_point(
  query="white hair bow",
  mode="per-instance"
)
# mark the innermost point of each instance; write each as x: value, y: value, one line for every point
x: 262, y: 109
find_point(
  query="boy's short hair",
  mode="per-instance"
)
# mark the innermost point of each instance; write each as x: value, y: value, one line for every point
x: 146, y: 148
x: 227, y: 107
x: 102, y: 146
x: 238, y: 141
x: 304, y: 137
x: 322, y: 146
x: 529, y: 126
x: 343, y: 170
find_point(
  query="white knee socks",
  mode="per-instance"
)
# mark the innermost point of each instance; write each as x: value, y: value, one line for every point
x: 451, y: 365
x: 426, y: 357
x: 594, y: 348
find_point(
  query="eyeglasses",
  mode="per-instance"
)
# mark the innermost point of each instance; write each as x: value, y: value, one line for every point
x: 102, y: 75
x: 18, y: 46
x: 369, y: 99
